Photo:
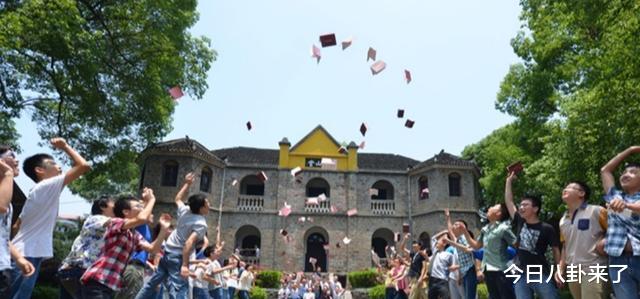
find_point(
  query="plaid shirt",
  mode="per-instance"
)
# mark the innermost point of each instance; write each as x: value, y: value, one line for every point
x: 118, y: 246
x: 622, y: 226
x: 464, y: 259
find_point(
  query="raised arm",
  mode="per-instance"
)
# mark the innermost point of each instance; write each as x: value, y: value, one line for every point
x: 459, y: 246
x: 508, y: 194
x: 606, y: 172
x: 149, y: 201
x: 472, y: 242
x: 184, y: 190
x: 80, y: 165
x: 6, y: 186
x: 447, y: 216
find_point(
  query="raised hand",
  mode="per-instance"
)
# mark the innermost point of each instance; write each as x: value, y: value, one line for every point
x: 58, y: 143
x: 188, y: 179
x: 147, y: 194
x: 5, y: 169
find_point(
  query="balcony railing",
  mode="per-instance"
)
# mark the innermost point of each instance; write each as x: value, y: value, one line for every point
x: 321, y: 207
x: 252, y: 203
x: 383, y: 207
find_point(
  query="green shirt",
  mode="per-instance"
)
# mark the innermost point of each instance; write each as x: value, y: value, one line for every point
x: 495, y: 239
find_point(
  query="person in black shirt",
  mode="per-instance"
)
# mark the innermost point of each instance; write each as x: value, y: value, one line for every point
x: 533, y: 239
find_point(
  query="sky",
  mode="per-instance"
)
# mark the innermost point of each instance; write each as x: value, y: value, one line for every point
x: 458, y: 52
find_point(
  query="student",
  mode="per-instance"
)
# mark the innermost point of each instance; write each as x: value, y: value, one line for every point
x: 7, y: 250
x: 582, y: 230
x: 465, y: 259
x: 534, y: 237
x: 213, y: 272
x: 191, y: 227
x: 245, y: 283
x: 417, y: 270
x: 623, y: 231
x: 34, y: 239
x: 440, y: 265
x: 87, y: 246
x: 133, y: 276
x: 104, y: 277
x: 495, y: 237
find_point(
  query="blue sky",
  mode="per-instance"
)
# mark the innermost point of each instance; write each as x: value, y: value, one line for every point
x: 458, y: 53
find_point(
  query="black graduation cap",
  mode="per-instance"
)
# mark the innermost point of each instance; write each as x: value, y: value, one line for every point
x: 400, y: 113
x: 409, y: 123
x: 249, y: 125
x: 328, y: 40
x: 363, y: 129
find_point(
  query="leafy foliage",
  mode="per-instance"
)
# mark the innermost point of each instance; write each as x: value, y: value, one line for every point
x: 363, y: 279
x: 575, y: 96
x: 268, y: 279
x: 97, y: 73
x: 377, y: 292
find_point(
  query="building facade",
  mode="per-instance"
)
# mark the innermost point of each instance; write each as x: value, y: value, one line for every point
x: 246, y: 206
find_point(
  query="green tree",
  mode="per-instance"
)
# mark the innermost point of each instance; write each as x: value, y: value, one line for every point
x: 575, y: 96
x: 97, y: 73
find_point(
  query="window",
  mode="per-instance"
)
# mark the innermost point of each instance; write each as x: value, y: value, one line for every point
x: 385, y: 190
x: 423, y: 187
x: 454, y: 185
x: 252, y: 185
x: 318, y: 186
x: 205, y: 180
x: 170, y: 173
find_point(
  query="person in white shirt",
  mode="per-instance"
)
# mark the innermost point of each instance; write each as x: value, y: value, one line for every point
x: 34, y: 239
x: 246, y: 282
x: 214, y: 272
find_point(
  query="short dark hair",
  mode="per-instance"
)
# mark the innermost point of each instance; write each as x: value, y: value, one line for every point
x: 585, y: 188
x: 632, y: 165
x: 30, y: 164
x: 535, y: 200
x: 123, y: 203
x: 100, y: 203
x: 210, y: 249
x: 196, y: 202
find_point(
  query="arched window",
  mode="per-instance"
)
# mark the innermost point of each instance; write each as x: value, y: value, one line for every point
x: 205, y: 180
x: 454, y: 185
x: 318, y: 186
x: 385, y: 190
x: 252, y: 185
x: 170, y: 173
x: 423, y: 187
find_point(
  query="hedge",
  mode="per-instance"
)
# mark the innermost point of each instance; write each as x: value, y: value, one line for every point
x: 268, y: 279
x: 363, y: 279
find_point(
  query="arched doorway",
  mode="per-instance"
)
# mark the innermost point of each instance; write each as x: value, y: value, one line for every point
x: 380, y: 239
x: 247, y: 241
x: 316, y: 238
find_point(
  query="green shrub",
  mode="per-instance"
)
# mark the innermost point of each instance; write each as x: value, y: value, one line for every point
x: 377, y: 292
x: 258, y: 293
x: 363, y: 279
x: 268, y: 279
x: 45, y: 292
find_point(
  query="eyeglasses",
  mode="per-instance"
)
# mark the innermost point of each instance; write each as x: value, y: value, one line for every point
x: 8, y: 154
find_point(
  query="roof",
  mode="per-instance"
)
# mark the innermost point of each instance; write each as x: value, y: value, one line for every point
x: 385, y: 161
x: 319, y: 127
x: 248, y: 155
x: 446, y: 159
x: 183, y: 146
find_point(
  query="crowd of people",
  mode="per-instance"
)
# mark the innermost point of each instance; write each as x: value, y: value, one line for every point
x: 118, y: 255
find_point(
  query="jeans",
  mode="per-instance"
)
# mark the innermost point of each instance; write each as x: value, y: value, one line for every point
x: 70, y: 281
x: 5, y: 283
x: 498, y: 285
x: 470, y: 283
x: 438, y: 288
x: 199, y: 293
x: 169, y: 267
x: 628, y: 281
x: 231, y: 292
x: 21, y: 287
x: 242, y: 294
x: 96, y: 290
x: 217, y: 293
x: 390, y: 293
x: 544, y: 290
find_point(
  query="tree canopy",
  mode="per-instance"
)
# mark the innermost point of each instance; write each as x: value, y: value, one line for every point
x: 97, y: 72
x: 575, y: 96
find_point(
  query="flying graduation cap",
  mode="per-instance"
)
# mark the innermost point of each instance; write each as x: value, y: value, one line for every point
x: 409, y: 123
x: 400, y: 113
x: 363, y: 129
x: 328, y: 40
x: 371, y: 54
x: 378, y: 67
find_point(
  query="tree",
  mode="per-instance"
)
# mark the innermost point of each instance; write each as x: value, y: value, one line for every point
x: 575, y: 95
x: 96, y: 72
